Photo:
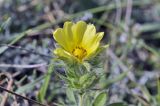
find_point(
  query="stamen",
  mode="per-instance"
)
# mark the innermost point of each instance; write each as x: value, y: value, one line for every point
x: 79, y: 52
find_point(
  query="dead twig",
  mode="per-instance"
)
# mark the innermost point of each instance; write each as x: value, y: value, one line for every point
x: 29, y: 51
x: 22, y: 66
x: 9, y: 86
x: 128, y: 14
x: 118, y: 11
x: 31, y: 100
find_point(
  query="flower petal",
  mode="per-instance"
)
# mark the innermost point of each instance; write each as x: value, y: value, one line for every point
x: 78, y: 30
x: 89, y: 34
x: 62, y: 53
x: 95, y: 44
x: 60, y: 37
x: 69, y: 35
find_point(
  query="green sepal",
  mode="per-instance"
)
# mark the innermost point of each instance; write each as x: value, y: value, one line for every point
x: 100, y: 99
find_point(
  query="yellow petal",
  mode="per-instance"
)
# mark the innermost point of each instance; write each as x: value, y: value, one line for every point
x: 78, y: 30
x: 60, y: 37
x: 95, y: 39
x: 89, y: 34
x: 69, y: 35
x: 95, y: 44
x: 62, y: 53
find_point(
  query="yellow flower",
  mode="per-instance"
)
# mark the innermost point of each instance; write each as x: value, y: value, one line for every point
x: 77, y: 41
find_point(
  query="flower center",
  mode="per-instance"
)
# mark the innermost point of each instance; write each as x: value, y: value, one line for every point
x: 79, y: 52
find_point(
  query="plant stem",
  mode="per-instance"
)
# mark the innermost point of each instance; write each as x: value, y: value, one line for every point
x: 81, y: 99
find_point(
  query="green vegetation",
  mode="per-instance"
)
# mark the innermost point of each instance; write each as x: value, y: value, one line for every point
x: 129, y: 68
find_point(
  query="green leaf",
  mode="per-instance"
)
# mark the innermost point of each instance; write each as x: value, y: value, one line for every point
x: 84, y: 78
x: 70, y: 95
x: 71, y: 74
x: 111, y: 81
x: 87, y: 66
x: 100, y: 99
x: 117, y: 104
x: 42, y: 93
x: 2, y: 49
x: 91, y: 82
x: 27, y: 88
x: 103, y: 47
x: 158, y: 87
x: 87, y: 101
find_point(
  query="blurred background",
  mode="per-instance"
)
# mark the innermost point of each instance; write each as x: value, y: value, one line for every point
x: 132, y: 29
